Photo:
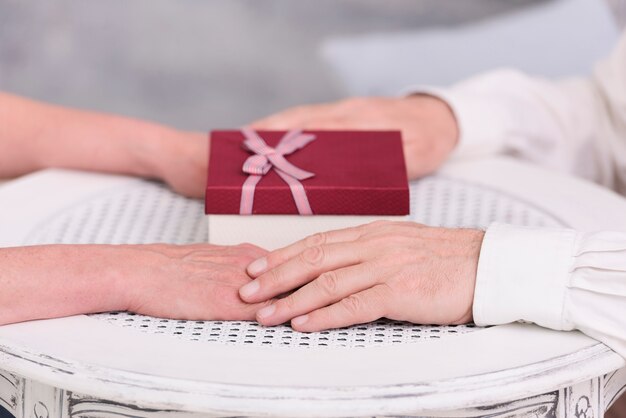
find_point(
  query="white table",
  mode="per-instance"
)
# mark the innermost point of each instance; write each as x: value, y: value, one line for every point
x: 122, y: 365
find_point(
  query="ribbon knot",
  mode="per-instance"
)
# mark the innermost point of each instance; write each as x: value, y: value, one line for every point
x: 265, y: 158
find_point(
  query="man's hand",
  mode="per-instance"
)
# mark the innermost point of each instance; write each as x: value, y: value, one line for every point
x: 428, y: 126
x: 196, y: 282
x: 398, y: 270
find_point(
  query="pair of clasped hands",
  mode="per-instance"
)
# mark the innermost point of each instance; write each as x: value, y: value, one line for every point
x: 402, y: 271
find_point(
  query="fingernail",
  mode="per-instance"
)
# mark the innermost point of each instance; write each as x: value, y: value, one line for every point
x: 249, y: 289
x: 257, y: 266
x: 299, y: 320
x: 266, y: 312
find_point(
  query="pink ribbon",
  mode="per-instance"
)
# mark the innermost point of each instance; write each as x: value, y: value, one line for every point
x: 266, y: 157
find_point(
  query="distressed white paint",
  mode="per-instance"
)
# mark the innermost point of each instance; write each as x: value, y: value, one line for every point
x: 584, y: 399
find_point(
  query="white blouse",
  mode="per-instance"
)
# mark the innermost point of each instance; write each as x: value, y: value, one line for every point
x: 576, y: 126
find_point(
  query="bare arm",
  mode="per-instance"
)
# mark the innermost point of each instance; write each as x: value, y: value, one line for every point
x: 34, y: 136
x: 183, y: 282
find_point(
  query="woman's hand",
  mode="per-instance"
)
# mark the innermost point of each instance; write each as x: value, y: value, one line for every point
x: 429, y: 128
x: 398, y: 270
x: 197, y: 282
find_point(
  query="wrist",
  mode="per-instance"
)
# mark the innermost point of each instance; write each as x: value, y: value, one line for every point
x: 179, y: 159
x: 475, y: 239
x: 442, y: 122
x: 149, y: 150
x: 178, y: 148
x: 83, y: 140
x: 137, y: 265
x: 431, y: 133
x: 96, y: 276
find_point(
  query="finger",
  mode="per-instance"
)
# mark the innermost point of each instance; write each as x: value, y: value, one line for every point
x: 359, y: 308
x: 247, y: 311
x: 235, y: 312
x: 300, y: 270
x: 308, y: 124
x: 296, y: 117
x: 288, y: 119
x: 278, y: 122
x: 278, y: 257
x: 328, y: 288
x: 327, y: 124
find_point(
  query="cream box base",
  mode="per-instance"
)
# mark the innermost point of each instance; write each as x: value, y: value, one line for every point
x: 276, y: 231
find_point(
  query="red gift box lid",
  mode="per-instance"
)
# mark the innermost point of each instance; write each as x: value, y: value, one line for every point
x: 356, y: 173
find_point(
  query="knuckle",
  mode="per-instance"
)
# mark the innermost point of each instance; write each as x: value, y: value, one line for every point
x: 244, y: 261
x: 313, y: 256
x: 251, y: 250
x: 274, y: 278
x: 316, y: 239
x: 276, y: 257
x: 328, y: 283
x: 352, y: 304
x: 288, y: 302
x: 247, y: 248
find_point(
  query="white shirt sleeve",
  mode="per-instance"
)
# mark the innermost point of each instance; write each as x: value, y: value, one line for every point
x: 556, y: 278
x: 576, y: 126
x: 561, y: 279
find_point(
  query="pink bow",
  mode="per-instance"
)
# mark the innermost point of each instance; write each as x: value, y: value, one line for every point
x: 266, y: 157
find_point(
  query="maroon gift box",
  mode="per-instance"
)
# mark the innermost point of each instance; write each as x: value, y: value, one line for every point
x: 356, y: 173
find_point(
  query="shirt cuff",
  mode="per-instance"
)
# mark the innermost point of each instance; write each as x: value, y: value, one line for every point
x: 522, y: 276
x: 481, y: 121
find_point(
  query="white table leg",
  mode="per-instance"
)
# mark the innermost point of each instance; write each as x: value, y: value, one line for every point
x: 10, y: 390
x: 583, y: 400
x: 43, y: 401
x: 614, y: 385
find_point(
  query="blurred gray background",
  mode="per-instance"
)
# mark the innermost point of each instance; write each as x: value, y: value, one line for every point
x: 202, y: 64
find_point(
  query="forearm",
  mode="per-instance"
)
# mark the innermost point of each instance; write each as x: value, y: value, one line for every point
x: 34, y: 136
x: 61, y: 280
x: 194, y: 282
